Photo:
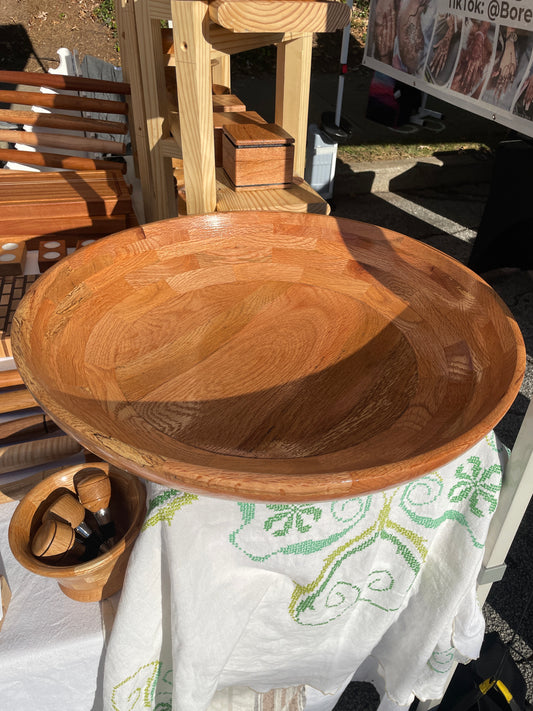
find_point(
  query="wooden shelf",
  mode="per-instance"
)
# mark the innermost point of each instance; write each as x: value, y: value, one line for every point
x: 299, y: 197
x: 279, y: 15
x: 199, y: 48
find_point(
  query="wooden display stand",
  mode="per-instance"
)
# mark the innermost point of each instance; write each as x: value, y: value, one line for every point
x: 204, y: 36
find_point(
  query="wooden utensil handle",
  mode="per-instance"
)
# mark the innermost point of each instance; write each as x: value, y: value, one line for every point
x: 63, y: 101
x: 60, y: 81
x: 94, y: 489
x: 58, y: 140
x: 26, y: 428
x: 60, y: 121
x: 57, y: 160
x: 29, y: 454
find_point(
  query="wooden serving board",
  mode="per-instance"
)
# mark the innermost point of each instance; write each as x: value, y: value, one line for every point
x: 269, y: 356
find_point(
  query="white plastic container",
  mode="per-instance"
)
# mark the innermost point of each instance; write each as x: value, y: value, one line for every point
x: 321, y: 157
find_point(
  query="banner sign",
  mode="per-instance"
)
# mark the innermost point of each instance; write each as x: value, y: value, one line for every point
x: 476, y: 54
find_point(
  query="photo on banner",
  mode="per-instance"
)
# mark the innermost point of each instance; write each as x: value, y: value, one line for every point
x: 476, y: 54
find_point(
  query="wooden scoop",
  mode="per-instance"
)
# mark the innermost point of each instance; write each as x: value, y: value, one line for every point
x: 94, y: 493
x: 54, y: 539
x: 94, y: 490
x: 67, y: 508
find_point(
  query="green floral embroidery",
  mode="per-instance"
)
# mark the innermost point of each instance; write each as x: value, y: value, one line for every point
x: 147, y: 688
x: 476, y: 486
x: 137, y: 691
x: 295, y: 535
x: 291, y: 516
x: 441, y: 662
x: 328, y: 596
x: 166, y: 505
x: 400, y: 519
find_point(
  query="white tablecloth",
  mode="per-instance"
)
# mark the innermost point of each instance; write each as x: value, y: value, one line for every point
x: 221, y: 594
x: 51, y: 647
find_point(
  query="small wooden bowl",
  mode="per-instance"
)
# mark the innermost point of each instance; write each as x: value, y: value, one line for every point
x: 269, y: 356
x: 98, y: 578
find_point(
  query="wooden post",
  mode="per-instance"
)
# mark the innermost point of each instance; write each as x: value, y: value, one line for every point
x: 293, y: 75
x: 161, y: 198
x: 222, y: 69
x: 190, y: 19
x: 131, y: 72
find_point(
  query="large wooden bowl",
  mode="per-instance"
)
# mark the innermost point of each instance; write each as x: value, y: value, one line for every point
x: 269, y: 356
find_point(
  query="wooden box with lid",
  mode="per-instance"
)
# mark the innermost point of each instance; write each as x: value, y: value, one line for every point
x: 224, y: 118
x: 257, y: 156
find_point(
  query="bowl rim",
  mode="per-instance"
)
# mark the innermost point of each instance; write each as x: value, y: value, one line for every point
x: 242, y: 484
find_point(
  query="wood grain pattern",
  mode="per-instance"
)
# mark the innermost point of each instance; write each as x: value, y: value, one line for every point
x: 16, y: 399
x: 223, y: 118
x: 37, y: 452
x: 257, y: 156
x: 190, y: 19
x: 103, y: 576
x: 62, y: 121
x: 293, y: 79
x: 63, y: 101
x: 60, y: 81
x: 269, y: 356
x: 74, y: 193
x: 26, y: 428
x: 58, y: 140
x: 71, y: 229
x: 8, y: 378
x: 59, y: 160
x: 5, y: 598
x: 298, y: 197
x: 227, y: 102
x: 279, y: 15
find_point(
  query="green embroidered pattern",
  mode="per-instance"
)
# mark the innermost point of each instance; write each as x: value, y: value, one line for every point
x: 166, y: 505
x: 138, y: 690
x: 147, y: 688
x: 476, y: 486
x: 291, y: 527
x: 400, y: 520
x: 291, y: 515
x: 441, y: 661
x: 329, y: 595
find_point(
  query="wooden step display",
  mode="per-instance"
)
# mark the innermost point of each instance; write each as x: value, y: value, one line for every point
x: 297, y: 197
x: 227, y: 102
x: 257, y: 156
